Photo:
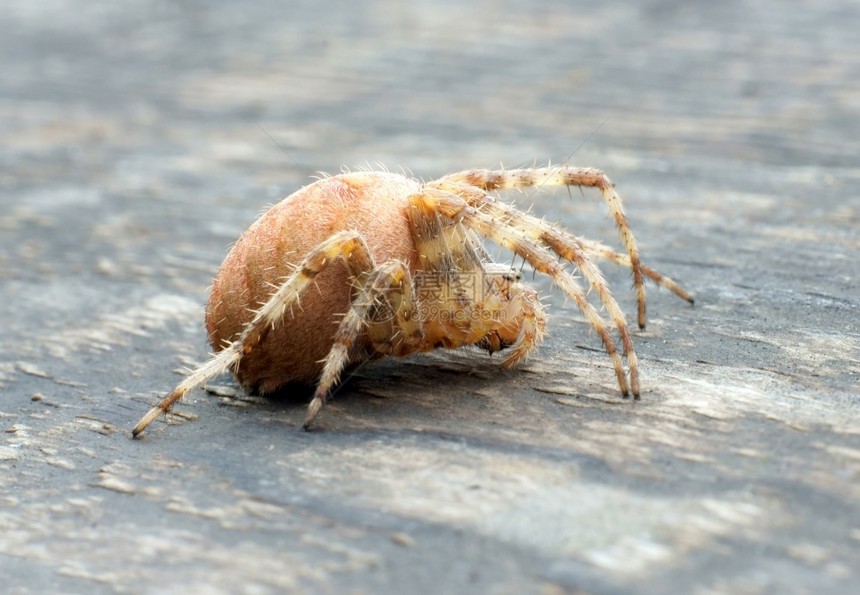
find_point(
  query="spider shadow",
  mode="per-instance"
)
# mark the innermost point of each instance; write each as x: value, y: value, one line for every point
x: 433, y: 388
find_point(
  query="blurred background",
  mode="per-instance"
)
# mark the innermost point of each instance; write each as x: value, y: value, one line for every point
x: 139, y: 139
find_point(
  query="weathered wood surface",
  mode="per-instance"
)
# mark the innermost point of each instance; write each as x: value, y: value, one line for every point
x: 132, y: 155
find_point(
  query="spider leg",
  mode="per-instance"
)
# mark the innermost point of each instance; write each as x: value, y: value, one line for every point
x: 218, y: 364
x: 456, y: 208
x: 453, y: 259
x: 391, y: 282
x: 600, y: 250
x: 347, y: 245
x: 441, y: 245
x: 490, y: 205
x: 565, y: 176
x: 533, y: 328
x: 563, y: 244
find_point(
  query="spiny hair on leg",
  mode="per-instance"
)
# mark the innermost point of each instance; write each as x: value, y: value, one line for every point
x: 459, y: 210
x: 565, y: 176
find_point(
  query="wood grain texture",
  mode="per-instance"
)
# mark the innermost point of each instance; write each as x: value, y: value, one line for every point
x: 132, y: 156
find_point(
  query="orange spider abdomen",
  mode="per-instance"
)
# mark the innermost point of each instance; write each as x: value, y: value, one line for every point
x: 371, y: 203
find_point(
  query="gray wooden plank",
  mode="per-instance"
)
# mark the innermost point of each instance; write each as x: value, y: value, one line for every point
x: 133, y: 155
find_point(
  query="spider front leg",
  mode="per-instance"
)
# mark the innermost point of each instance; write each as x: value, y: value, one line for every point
x: 389, y: 289
x: 457, y: 209
x: 565, y: 176
x: 595, y: 248
x: 347, y: 245
x: 562, y: 243
x: 571, y: 247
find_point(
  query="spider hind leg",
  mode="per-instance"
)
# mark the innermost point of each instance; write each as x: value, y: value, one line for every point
x: 346, y: 245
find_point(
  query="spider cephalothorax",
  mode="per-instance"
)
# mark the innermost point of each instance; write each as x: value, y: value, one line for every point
x: 371, y: 264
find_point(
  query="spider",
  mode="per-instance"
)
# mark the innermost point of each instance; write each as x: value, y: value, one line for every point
x: 363, y: 265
